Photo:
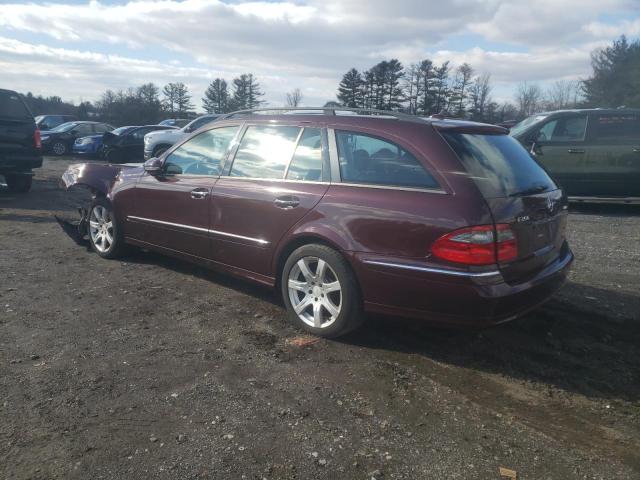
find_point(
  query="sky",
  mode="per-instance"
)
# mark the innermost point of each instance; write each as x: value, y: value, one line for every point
x: 78, y: 49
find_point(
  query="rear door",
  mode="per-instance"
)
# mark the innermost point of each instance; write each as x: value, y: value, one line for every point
x: 17, y: 128
x: 563, y: 149
x: 173, y: 209
x: 278, y: 174
x: 614, y: 158
x: 519, y: 193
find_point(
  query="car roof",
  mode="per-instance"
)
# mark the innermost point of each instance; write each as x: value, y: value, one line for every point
x: 589, y: 110
x: 371, y: 121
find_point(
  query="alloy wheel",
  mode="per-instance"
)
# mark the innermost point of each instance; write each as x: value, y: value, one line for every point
x: 59, y: 148
x: 315, y: 292
x: 101, y: 228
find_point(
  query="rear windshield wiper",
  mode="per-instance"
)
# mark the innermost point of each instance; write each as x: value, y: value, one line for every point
x: 530, y: 191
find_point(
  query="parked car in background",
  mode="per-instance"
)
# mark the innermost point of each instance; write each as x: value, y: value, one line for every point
x: 128, y: 145
x: 444, y: 220
x: 156, y: 143
x: 49, y: 122
x: 175, y: 122
x: 61, y: 139
x: 90, y: 145
x: 594, y: 154
x: 20, y: 147
x: 507, y: 124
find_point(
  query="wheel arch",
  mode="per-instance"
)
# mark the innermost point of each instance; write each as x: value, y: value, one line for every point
x: 305, y: 238
x: 157, y: 147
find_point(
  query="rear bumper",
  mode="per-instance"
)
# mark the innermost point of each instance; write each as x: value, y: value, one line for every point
x: 19, y: 163
x: 459, y: 298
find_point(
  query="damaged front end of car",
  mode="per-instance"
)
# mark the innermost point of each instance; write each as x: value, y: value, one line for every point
x: 100, y: 180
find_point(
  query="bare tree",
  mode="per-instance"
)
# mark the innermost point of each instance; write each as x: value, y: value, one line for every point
x: 480, y: 96
x: 528, y: 97
x: 562, y: 94
x: 294, y: 98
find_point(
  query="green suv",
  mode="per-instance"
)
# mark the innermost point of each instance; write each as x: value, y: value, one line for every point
x: 594, y: 154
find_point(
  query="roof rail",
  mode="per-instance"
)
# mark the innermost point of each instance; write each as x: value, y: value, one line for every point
x: 328, y: 111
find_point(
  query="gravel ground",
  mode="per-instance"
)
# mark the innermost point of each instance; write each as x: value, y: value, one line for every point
x: 154, y: 368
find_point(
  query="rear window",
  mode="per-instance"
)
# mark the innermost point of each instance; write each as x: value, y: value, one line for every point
x: 12, y: 106
x: 498, y: 164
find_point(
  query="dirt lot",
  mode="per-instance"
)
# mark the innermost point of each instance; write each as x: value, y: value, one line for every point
x: 153, y: 368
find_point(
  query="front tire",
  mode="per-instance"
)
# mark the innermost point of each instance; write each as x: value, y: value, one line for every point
x: 320, y: 291
x: 105, y: 235
x: 17, y: 183
x: 159, y: 150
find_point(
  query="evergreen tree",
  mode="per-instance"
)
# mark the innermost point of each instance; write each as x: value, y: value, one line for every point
x: 615, y: 81
x: 169, y: 92
x: 246, y: 92
x: 459, y: 92
x: 216, y: 97
x: 183, y: 100
x: 350, y: 90
x: 441, y: 88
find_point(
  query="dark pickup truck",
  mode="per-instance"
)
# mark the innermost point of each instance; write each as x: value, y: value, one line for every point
x: 20, y: 146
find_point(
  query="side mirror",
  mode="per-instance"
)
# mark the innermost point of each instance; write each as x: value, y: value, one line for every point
x: 153, y: 166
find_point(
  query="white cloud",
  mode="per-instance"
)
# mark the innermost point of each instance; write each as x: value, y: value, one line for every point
x: 290, y: 44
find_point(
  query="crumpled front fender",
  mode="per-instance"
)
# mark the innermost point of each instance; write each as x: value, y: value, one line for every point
x: 98, y: 178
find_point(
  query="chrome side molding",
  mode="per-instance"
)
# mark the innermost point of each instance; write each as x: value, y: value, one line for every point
x: 259, y: 241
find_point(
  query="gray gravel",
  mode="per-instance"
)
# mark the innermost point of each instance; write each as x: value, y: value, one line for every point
x: 153, y: 368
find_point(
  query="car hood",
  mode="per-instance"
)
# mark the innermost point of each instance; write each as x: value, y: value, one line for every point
x: 165, y: 133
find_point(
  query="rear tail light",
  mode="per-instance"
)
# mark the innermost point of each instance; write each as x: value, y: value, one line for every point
x: 477, y: 245
x: 36, y: 139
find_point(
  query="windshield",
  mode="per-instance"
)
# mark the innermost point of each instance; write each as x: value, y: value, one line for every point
x: 499, y: 165
x: 65, y: 127
x: 524, y: 124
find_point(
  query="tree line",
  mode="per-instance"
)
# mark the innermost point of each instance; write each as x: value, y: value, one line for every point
x: 149, y: 104
x: 426, y: 88
x: 422, y: 88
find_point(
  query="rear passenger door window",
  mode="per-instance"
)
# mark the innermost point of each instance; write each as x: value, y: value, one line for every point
x: 371, y: 160
x: 265, y: 152
x: 616, y: 128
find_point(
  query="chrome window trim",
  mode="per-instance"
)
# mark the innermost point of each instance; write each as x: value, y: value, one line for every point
x: 198, y: 229
x: 273, y: 180
x: 392, y: 187
x: 443, y: 271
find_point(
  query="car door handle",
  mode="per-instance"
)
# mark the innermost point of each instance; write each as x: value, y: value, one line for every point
x: 287, y: 202
x: 199, y: 193
x: 636, y: 149
x: 575, y: 150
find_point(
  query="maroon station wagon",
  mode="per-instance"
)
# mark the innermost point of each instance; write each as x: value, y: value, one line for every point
x: 346, y: 213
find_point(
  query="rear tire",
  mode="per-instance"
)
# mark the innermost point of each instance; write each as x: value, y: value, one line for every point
x: 321, y: 292
x: 59, y: 148
x: 18, y: 183
x: 105, y: 235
